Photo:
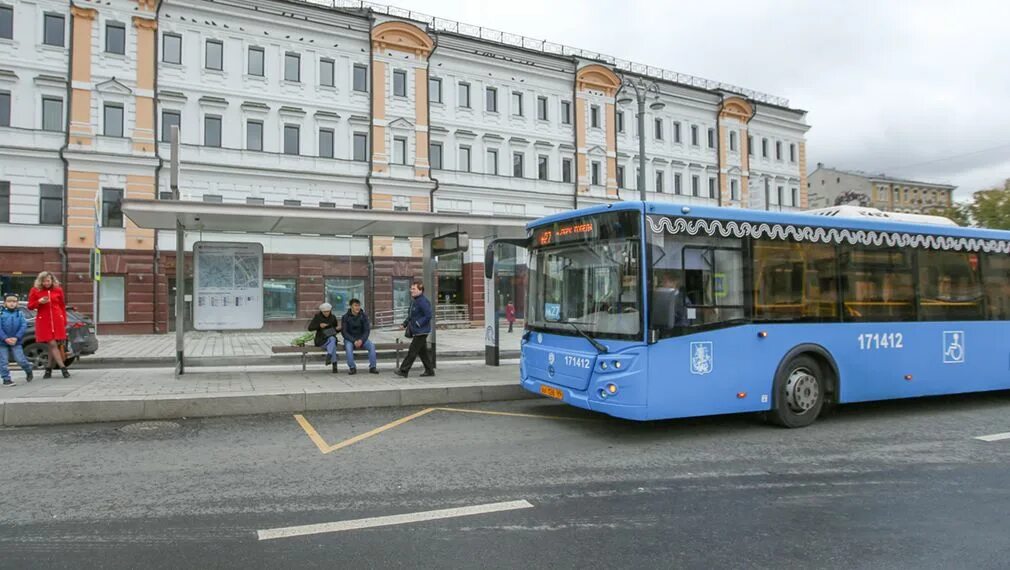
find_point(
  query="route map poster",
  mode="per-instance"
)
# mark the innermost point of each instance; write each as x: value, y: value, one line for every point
x: 228, y: 286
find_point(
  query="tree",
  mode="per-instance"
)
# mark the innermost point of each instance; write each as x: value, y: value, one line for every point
x: 991, y: 208
x: 959, y: 213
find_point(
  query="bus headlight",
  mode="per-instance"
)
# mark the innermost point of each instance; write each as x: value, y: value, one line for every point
x: 611, y: 389
x: 617, y: 364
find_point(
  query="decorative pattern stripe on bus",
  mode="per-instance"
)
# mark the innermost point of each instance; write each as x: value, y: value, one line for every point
x: 732, y: 228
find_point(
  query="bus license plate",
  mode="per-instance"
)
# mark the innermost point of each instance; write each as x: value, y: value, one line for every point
x: 552, y: 392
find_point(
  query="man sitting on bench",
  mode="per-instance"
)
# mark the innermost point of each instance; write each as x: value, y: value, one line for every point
x: 355, y: 328
x: 327, y: 326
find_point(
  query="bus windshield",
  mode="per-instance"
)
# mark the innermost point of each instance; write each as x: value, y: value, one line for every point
x: 586, y: 272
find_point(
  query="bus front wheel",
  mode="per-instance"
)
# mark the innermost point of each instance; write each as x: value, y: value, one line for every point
x: 799, y: 393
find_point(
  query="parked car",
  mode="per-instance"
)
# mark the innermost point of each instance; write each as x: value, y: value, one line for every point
x: 81, y: 338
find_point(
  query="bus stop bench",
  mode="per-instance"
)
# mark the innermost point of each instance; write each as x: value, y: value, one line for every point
x: 305, y: 350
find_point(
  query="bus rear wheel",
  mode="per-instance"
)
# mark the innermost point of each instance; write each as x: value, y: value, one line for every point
x: 799, y: 393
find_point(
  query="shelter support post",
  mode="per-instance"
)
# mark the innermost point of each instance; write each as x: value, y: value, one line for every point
x: 180, y: 263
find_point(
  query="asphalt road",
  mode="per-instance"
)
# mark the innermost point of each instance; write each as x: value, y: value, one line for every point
x: 893, y: 485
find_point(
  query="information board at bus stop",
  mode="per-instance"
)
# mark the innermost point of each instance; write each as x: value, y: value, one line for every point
x: 227, y: 286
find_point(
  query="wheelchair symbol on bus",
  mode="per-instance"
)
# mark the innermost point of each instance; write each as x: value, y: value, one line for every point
x: 702, y: 357
x: 953, y: 347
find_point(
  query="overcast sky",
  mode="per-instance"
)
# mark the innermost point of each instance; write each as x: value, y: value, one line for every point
x: 918, y: 89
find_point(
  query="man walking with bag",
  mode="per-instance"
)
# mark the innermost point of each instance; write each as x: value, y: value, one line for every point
x: 416, y: 327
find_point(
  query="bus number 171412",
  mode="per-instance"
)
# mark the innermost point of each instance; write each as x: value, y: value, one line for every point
x: 878, y: 341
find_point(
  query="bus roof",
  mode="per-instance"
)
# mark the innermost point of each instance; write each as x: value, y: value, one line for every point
x: 888, y: 224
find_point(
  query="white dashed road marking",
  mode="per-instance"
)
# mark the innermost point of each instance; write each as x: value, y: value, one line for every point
x: 292, y: 531
x: 994, y: 437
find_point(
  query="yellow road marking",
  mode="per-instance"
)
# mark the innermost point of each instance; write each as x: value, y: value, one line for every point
x: 325, y: 448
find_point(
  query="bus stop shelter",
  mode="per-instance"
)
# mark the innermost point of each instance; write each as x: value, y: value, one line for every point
x: 186, y: 216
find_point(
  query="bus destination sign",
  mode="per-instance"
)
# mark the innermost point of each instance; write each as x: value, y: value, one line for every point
x: 551, y: 235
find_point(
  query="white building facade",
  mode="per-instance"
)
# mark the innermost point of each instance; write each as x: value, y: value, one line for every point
x: 290, y: 103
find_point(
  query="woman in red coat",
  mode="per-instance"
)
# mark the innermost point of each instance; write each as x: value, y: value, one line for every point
x: 46, y: 299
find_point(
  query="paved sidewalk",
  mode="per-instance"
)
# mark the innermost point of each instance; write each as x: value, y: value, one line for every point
x: 152, y: 394
x: 257, y: 344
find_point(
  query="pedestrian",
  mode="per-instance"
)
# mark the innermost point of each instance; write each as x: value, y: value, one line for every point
x: 510, y: 314
x: 416, y: 328
x: 327, y: 326
x: 355, y: 327
x: 12, y: 332
x: 47, y: 300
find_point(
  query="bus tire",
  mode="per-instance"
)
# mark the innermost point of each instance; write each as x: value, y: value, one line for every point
x: 800, y: 392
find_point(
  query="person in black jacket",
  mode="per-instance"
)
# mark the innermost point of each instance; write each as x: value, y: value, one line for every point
x: 327, y: 326
x: 417, y: 326
x: 355, y: 327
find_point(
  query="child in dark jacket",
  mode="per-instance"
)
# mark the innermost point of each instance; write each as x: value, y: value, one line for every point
x: 12, y: 334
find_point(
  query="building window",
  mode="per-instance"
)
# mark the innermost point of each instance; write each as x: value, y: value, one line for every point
x: 677, y: 188
x: 734, y: 190
x: 750, y: 145
x: 295, y: 203
x: 780, y: 195
x: 53, y: 30
x: 213, y: 198
x: 566, y: 170
x: 253, y: 201
x: 517, y: 164
x: 711, y: 187
x: 619, y: 119
x: 676, y: 132
x: 7, y: 22
x: 434, y: 89
x: 115, y: 38
x: 339, y: 292
x: 517, y: 103
x: 399, y: 150
x: 360, y: 79
x: 658, y: 130
x: 620, y: 177
x: 696, y: 185
x: 792, y: 153
x: 594, y: 116
x: 170, y: 119
x: 492, y: 161
x: 764, y: 148
x: 212, y: 131
x: 51, y: 204
x: 491, y: 99
x: 52, y: 114
x: 465, y: 163
x: 659, y: 182
x: 326, y: 143
x: 595, y: 173
x: 360, y: 147
x: 292, y: 67
x: 638, y: 178
x: 112, y: 299
x: 541, y: 167
x: 112, y: 208
x: 711, y: 138
x: 254, y: 135
x: 694, y: 135
x: 280, y: 299
x: 566, y: 112
x: 463, y: 95
x: 399, y: 83
x: 795, y: 196
x: 292, y: 134
x: 256, y: 58
x: 5, y: 109
x: 732, y: 141
x: 5, y: 202
x: 778, y: 150
x: 214, y: 58
x: 435, y: 155
x: 542, y: 108
x: 327, y: 70
x: 171, y: 48
x: 334, y: 205
x: 113, y: 116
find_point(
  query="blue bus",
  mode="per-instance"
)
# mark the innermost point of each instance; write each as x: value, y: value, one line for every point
x: 651, y: 311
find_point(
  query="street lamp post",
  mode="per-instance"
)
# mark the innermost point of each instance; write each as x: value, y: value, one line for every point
x: 642, y: 88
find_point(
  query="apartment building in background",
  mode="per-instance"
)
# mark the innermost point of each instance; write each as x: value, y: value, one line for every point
x: 833, y: 187
x: 299, y: 104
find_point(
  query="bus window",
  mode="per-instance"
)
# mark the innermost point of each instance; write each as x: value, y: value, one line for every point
x: 695, y: 283
x: 950, y: 287
x: 794, y: 281
x: 996, y: 272
x: 877, y: 284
